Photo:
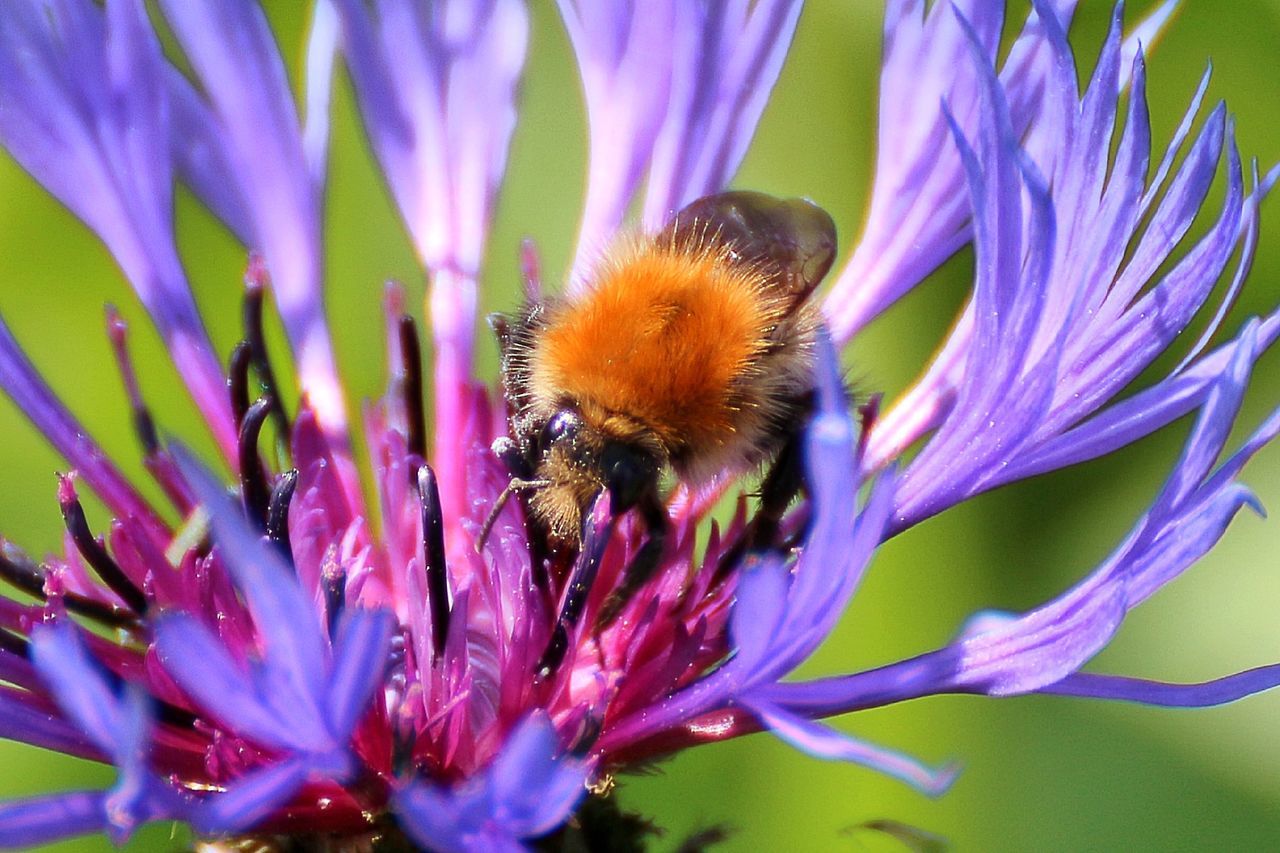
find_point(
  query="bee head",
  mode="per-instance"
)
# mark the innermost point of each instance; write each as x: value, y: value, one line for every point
x: 580, y: 455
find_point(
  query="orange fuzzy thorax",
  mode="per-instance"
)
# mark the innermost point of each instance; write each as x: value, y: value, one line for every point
x: 666, y: 338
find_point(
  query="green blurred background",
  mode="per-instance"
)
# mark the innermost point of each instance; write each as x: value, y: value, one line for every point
x: 1040, y: 773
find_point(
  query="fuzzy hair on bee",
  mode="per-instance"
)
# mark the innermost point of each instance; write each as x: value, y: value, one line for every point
x: 689, y: 351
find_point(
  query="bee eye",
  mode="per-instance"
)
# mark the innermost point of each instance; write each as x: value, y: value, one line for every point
x: 628, y: 473
x: 562, y: 424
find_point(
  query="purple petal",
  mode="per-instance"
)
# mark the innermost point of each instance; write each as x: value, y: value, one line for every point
x: 202, y: 667
x: 22, y: 720
x: 759, y: 610
x: 253, y: 796
x: 322, y: 52
x: 837, y: 551
x: 727, y: 59
x: 1139, y: 415
x: 411, y: 66
x: 200, y: 153
x: 293, y: 643
x: 25, y: 824
x: 429, y: 817
x: 823, y: 742
x: 234, y: 54
x: 1040, y: 648
x: 534, y: 786
x: 1206, y: 694
x: 528, y: 790
x: 86, y: 114
x: 79, y: 686
x: 918, y: 215
x: 359, y: 664
x: 1148, y: 30
x: 25, y: 387
x: 625, y: 54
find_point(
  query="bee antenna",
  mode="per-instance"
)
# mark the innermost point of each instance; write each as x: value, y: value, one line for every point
x: 516, y: 484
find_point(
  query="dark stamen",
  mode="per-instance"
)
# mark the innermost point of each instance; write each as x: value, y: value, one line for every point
x: 25, y: 575
x: 333, y: 579
x: 594, y: 542
x: 433, y: 550
x: 173, y: 715
x: 411, y: 352
x: 588, y: 733
x: 253, y: 478
x: 143, y: 424
x: 93, y: 551
x: 278, y: 512
x: 255, y: 283
x: 21, y: 572
x: 14, y: 645
x: 868, y: 414
x: 238, y: 380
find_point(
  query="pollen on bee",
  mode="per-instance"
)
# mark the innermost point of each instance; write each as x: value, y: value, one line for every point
x: 665, y: 336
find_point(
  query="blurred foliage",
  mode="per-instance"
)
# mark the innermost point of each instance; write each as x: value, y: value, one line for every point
x: 1041, y: 773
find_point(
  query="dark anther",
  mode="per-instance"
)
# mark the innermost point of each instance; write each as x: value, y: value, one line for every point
x: 255, y: 282
x: 238, y: 381
x: 278, y: 512
x: 433, y: 551
x: 174, y: 716
x: 93, y: 551
x: 594, y: 542
x: 14, y: 645
x: 411, y: 355
x: 868, y: 415
x: 143, y: 424
x: 644, y: 563
x: 588, y: 733
x: 253, y: 478
x: 333, y: 579
x: 23, y: 574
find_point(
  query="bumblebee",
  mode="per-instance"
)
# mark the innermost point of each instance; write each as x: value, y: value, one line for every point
x: 690, y: 351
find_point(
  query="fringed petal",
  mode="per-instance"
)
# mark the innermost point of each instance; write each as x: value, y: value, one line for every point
x: 235, y: 57
x: 86, y: 113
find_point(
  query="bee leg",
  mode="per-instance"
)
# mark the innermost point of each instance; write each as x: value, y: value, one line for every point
x: 512, y: 456
x: 646, y: 560
x: 783, y: 484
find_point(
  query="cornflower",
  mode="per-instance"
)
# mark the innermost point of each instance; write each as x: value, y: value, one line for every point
x: 297, y: 659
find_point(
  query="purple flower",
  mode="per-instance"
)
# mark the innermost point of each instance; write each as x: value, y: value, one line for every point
x: 292, y: 658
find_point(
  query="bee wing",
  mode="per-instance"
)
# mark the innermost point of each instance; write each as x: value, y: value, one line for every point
x: 793, y: 239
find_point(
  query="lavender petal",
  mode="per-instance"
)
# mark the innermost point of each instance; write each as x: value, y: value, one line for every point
x: 25, y: 824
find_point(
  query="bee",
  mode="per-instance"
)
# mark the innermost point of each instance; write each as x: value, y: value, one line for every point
x: 690, y: 351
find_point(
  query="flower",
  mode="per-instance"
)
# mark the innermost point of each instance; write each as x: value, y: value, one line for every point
x: 280, y: 663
